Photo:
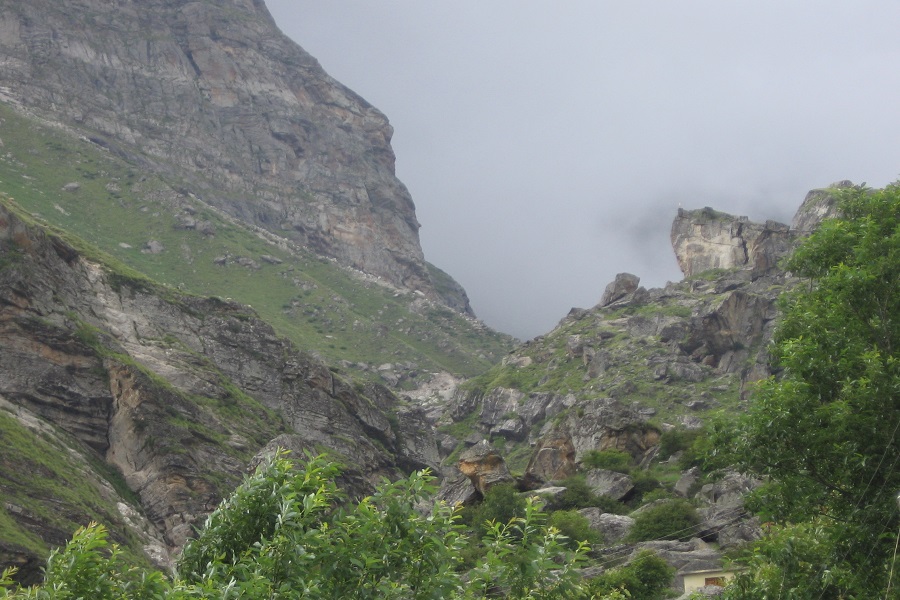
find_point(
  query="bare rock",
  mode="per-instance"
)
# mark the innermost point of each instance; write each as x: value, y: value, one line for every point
x: 152, y: 247
x: 609, y: 483
x: 484, y: 467
x: 688, y: 480
x: 613, y: 528
x: 707, y: 239
x: 552, y: 460
x: 621, y: 286
x: 457, y: 489
x: 119, y: 369
x: 549, y: 493
x: 725, y: 519
x: 818, y: 206
x: 287, y: 147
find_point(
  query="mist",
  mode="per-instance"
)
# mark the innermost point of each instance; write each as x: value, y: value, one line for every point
x: 548, y: 145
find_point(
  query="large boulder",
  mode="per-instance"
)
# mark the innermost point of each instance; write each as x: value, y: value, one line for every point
x: 724, y: 518
x: 613, y: 528
x: 687, y: 481
x: 552, y: 460
x: 707, y: 239
x: 484, y: 467
x: 818, y: 206
x: 621, y: 286
x: 609, y: 483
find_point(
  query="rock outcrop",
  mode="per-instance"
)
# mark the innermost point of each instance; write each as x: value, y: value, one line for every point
x: 615, y: 376
x: 214, y: 95
x: 707, y: 239
x: 818, y: 206
x: 170, y: 395
x: 484, y: 467
x: 624, y: 284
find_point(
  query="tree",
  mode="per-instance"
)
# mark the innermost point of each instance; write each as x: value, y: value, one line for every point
x: 647, y: 577
x: 826, y: 434
x: 284, y: 534
x: 671, y: 520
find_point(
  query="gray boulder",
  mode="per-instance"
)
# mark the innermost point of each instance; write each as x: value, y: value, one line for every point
x: 612, y: 527
x: 609, y: 483
x: 621, y: 286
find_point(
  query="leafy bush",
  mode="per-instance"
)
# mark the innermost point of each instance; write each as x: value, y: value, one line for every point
x: 647, y: 577
x: 579, y: 494
x: 282, y: 534
x: 675, y: 520
x: 575, y: 527
x: 611, y: 460
x: 502, y: 503
x: 681, y: 440
x: 644, y: 484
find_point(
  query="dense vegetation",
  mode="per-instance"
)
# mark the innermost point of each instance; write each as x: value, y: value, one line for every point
x: 286, y: 533
x: 826, y: 434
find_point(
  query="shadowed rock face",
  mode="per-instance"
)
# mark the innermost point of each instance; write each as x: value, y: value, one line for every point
x: 177, y: 393
x: 215, y: 95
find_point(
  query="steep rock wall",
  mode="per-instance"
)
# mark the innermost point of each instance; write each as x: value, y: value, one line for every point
x: 176, y: 393
x: 212, y: 93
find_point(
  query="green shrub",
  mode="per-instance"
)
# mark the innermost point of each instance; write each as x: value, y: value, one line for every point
x: 611, y: 460
x: 579, y: 494
x: 502, y: 503
x: 675, y: 520
x: 647, y: 577
x: 644, y: 483
x: 283, y: 535
x: 690, y: 442
x: 575, y: 527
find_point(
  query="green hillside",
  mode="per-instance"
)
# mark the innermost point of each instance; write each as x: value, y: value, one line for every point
x: 113, y: 203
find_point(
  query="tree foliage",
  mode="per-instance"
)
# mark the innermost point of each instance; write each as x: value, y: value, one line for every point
x: 647, y: 577
x: 284, y: 534
x: 825, y: 433
x: 669, y: 520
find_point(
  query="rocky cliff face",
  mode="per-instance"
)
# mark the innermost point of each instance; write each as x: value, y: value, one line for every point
x: 213, y: 95
x: 166, y: 395
x: 615, y: 376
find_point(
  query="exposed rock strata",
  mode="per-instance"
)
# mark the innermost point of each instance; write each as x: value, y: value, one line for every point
x: 614, y: 376
x: 215, y: 95
x: 706, y: 239
x: 177, y: 392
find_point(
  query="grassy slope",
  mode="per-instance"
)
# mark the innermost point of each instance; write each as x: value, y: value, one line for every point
x: 43, y: 479
x: 320, y: 306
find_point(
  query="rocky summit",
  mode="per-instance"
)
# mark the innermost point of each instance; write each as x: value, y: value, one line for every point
x: 621, y: 375
x: 213, y: 94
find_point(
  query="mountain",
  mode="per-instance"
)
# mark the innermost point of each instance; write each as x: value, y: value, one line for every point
x: 214, y: 95
x: 204, y: 254
x: 640, y: 365
x: 640, y: 361
x: 197, y: 144
x: 129, y: 402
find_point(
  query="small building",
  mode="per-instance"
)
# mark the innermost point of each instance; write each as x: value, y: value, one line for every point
x: 694, y: 580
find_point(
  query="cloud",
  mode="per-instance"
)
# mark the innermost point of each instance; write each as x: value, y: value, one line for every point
x: 548, y: 145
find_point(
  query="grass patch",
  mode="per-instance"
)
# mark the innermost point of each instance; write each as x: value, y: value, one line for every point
x: 117, y: 209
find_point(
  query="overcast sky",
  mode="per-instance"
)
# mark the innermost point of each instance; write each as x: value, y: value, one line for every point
x: 548, y: 144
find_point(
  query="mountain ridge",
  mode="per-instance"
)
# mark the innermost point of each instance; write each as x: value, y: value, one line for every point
x: 215, y: 93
